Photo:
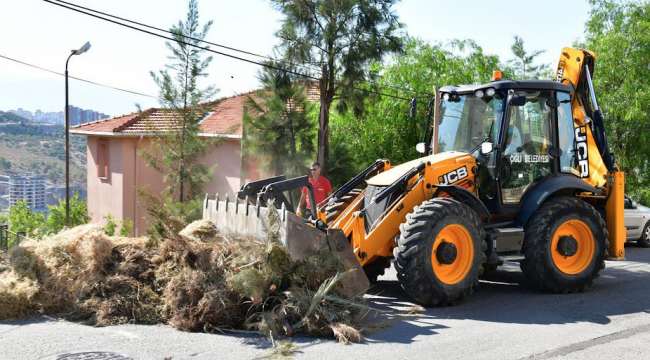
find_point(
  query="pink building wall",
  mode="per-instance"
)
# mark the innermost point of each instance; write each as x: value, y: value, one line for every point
x: 116, y: 194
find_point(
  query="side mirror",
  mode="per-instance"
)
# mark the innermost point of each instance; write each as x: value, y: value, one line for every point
x: 554, y: 103
x: 634, y: 204
x: 486, y: 148
x: 421, y: 147
x: 518, y: 100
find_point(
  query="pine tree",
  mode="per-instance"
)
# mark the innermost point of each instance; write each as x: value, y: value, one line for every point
x: 523, y: 65
x: 278, y: 127
x: 177, y: 147
x: 340, y: 37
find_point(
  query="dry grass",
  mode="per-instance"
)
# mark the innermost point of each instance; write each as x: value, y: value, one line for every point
x: 346, y: 334
x: 197, y: 280
x: 17, y: 296
x: 204, y: 231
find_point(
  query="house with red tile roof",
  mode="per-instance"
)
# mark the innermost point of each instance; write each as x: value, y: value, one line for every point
x: 115, y: 168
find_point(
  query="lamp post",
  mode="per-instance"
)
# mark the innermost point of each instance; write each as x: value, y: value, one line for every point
x: 81, y: 50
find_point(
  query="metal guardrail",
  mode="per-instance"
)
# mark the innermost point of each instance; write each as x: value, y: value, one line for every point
x: 9, y: 238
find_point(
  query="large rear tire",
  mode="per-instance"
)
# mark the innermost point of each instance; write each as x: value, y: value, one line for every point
x: 440, y: 251
x: 334, y: 210
x: 565, y: 245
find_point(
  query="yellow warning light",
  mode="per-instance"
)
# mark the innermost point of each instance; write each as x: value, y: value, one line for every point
x: 496, y: 75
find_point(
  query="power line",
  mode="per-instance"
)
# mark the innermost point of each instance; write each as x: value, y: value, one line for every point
x: 205, y: 48
x: 398, y: 88
x: 187, y: 37
x: 228, y: 47
x: 184, y: 42
x: 76, y: 78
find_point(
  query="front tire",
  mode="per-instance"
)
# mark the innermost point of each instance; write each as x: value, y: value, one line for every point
x: 565, y: 245
x: 644, y: 240
x: 440, y: 251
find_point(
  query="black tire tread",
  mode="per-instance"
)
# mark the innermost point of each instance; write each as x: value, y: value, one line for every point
x: 414, y: 270
x: 538, y: 265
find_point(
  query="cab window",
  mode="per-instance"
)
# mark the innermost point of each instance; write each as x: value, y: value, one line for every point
x: 566, y: 135
x: 525, y: 159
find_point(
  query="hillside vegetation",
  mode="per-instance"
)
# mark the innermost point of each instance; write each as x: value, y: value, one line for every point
x: 26, y: 147
x: 7, y: 117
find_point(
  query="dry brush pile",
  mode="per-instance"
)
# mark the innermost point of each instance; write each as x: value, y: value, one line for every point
x: 196, y: 280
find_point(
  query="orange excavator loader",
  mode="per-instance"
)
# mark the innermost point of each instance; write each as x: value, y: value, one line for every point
x: 510, y: 171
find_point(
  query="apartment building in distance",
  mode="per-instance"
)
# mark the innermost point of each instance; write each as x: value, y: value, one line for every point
x: 29, y: 187
x: 78, y: 116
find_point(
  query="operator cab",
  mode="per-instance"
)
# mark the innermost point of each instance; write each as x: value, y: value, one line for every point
x: 520, y: 132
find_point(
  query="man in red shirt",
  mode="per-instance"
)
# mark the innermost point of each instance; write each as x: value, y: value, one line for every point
x: 322, y: 189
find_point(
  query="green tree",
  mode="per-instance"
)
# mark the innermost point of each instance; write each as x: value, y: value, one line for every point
x: 167, y: 218
x: 341, y: 37
x: 23, y: 218
x: 54, y: 174
x: 78, y: 214
x: 523, y: 65
x: 619, y: 34
x: 125, y: 225
x: 387, y: 130
x: 111, y: 225
x: 34, y: 166
x: 177, y: 148
x: 279, y: 128
x: 342, y: 161
x: 4, y: 164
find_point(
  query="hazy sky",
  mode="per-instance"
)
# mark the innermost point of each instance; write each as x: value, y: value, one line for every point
x: 43, y: 34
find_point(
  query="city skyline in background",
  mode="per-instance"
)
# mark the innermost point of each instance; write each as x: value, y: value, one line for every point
x: 76, y: 114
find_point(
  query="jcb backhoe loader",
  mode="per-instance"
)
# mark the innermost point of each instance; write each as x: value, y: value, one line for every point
x: 511, y: 171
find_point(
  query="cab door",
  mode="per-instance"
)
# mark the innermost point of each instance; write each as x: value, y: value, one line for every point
x: 525, y: 159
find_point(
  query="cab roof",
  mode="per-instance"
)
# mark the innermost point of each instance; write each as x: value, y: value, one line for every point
x: 509, y: 84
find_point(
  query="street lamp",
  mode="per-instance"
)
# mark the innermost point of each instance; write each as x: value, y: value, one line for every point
x: 81, y: 50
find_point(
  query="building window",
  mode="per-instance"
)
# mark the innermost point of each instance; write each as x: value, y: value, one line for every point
x: 102, y: 159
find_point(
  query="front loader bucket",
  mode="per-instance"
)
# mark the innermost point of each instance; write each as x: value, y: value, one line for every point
x: 299, y: 238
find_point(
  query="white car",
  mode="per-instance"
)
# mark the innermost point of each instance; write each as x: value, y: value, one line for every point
x: 637, y: 222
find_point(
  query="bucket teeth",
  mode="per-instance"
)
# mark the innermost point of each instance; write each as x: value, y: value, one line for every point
x: 300, y: 239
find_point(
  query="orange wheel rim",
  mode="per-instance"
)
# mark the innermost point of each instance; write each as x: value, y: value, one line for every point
x: 456, y: 271
x: 580, y: 234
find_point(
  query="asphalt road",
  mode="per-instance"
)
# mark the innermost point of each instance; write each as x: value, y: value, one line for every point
x: 503, y: 319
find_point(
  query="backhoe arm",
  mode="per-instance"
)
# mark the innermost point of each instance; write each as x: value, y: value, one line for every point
x: 596, y: 163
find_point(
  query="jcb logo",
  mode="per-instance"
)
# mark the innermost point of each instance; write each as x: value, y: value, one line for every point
x: 582, y: 151
x: 453, y: 176
x: 560, y: 72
